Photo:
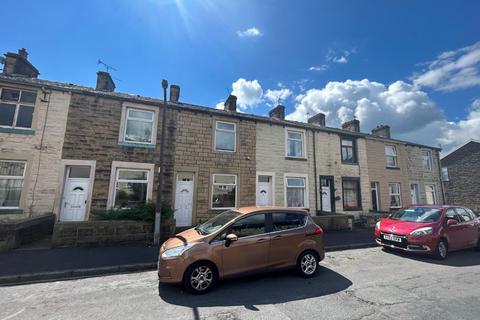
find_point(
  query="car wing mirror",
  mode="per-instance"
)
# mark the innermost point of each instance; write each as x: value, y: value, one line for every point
x: 230, y: 238
x: 451, y: 222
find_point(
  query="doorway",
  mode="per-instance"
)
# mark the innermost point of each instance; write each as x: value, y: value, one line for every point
x: 75, y: 193
x: 264, y: 190
x: 375, y: 201
x: 184, y: 199
x: 414, y: 193
x: 327, y: 191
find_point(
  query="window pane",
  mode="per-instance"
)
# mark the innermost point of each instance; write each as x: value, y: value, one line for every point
x: 10, y: 95
x: 296, y: 197
x: 24, y: 117
x: 295, y: 148
x: 225, y: 141
x: 10, y: 192
x: 394, y: 188
x: 347, y: 154
x: 285, y: 221
x: 7, y: 113
x: 249, y: 226
x: 221, y: 179
x: 132, y: 175
x: 225, y: 126
x: 445, y: 174
x: 130, y: 193
x: 295, y: 182
x: 294, y: 135
x: 28, y: 97
x: 391, y: 161
x: 139, y: 131
x: 79, y: 172
x: 395, y: 201
x: 350, y: 195
x: 390, y: 151
x: 348, y: 143
x: 147, y: 115
x: 13, y: 169
x: 264, y: 178
x: 223, y: 196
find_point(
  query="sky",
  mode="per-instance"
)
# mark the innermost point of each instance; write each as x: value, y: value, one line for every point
x: 414, y: 65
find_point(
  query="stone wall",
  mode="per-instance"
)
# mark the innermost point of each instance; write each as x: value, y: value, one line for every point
x: 15, y: 233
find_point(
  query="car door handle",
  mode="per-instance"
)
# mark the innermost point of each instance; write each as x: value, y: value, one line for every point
x: 277, y: 237
x: 261, y: 240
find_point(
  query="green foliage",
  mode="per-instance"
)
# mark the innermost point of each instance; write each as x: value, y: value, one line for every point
x: 138, y: 212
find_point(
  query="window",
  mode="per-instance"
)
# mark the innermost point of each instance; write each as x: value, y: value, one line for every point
x: 16, y: 108
x: 139, y: 126
x: 394, y: 193
x: 463, y: 214
x: 427, y: 160
x: 391, y: 156
x: 225, y: 136
x: 295, y: 144
x: 351, y: 194
x: 285, y: 221
x: 249, y: 226
x: 452, y: 214
x: 12, y: 174
x: 348, y: 150
x: 431, y: 194
x: 296, y: 192
x: 445, y: 174
x: 224, y: 193
x: 130, y: 187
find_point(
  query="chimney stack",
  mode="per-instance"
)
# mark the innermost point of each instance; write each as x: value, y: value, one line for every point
x: 105, y: 82
x: 174, y: 93
x: 16, y: 64
x: 318, y: 119
x: 277, y: 113
x: 352, y: 125
x: 382, y: 131
x: 230, y: 104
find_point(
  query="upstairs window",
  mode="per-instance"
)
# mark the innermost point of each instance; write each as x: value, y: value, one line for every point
x: 12, y: 174
x: 16, y: 108
x: 391, y: 156
x: 139, y: 126
x: 348, y: 150
x: 225, y: 136
x: 427, y: 160
x: 445, y: 174
x: 295, y: 144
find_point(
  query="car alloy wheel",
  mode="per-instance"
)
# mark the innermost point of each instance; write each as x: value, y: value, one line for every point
x: 442, y: 250
x: 201, y: 278
x: 308, y: 264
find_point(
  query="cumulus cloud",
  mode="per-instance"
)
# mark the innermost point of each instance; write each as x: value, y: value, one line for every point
x: 249, y: 93
x: 452, y: 70
x: 276, y: 96
x: 250, y: 33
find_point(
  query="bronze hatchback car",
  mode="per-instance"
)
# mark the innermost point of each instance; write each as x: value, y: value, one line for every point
x: 241, y: 241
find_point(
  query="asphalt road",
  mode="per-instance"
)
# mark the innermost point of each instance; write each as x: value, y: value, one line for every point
x: 355, y: 284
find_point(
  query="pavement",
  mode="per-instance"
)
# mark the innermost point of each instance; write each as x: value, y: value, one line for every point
x: 28, y: 265
x: 366, y: 284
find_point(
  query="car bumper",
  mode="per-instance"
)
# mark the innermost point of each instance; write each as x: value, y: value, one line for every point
x: 170, y: 271
x: 419, y: 247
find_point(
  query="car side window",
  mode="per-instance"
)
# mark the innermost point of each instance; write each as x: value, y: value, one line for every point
x: 451, y: 214
x: 249, y: 226
x: 471, y: 213
x: 463, y: 214
x: 284, y: 221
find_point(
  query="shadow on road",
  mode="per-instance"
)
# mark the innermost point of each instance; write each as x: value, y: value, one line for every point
x: 464, y: 258
x: 278, y: 287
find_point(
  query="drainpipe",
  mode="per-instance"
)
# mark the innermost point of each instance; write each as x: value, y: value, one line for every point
x: 315, y: 172
x: 439, y: 164
x: 158, y: 206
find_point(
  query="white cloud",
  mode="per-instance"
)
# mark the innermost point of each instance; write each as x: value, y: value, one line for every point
x: 452, y: 70
x: 276, y: 96
x: 340, y: 59
x: 250, y: 33
x: 249, y: 93
x: 322, y: 67
x: 220, y: 105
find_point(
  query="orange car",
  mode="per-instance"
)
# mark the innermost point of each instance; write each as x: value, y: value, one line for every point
x: 242, y: 241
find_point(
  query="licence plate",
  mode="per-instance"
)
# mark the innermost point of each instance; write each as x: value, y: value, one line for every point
x: 391, y: 237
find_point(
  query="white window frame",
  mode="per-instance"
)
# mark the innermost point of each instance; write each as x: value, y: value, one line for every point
x: 445, y: 176
x: 395, y: 156
x: 427, y: 155
x: 16, y: 178
x: 399, y: 194
x: 123, y: 125
x: 305, y: 195
x: 434, y: 187
x: 228, y: 131
x: 17, y: 107
x: 304, y: 151
x: 224, y: 184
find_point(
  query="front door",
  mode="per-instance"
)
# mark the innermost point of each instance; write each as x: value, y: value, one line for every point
x: 414, y: 193
x: 264, y: 191
x: 327, y: 191
x: 184, y: 200
x: 75, y: 194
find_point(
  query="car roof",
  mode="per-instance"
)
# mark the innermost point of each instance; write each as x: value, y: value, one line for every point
x: 248, y: 210
x: 439, y: 206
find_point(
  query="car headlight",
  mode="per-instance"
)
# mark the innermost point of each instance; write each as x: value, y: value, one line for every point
x: 175, y: 252
x: 422, y: 232
x: 377, y: 225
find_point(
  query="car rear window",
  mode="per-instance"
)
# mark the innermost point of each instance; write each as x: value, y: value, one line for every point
x: 287, y: 220
x: 418, y: 214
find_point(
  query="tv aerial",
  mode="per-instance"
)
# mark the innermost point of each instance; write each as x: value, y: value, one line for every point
x: 107, y: 67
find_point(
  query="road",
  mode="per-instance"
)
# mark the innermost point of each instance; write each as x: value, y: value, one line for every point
x: 356, y: 284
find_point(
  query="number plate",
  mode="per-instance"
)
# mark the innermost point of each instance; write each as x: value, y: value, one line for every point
x: 391, y: 237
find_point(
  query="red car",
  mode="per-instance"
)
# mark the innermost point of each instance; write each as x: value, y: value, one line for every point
x: 434, y: 230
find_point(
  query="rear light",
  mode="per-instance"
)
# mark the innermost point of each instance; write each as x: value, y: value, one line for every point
x: 318, y: 230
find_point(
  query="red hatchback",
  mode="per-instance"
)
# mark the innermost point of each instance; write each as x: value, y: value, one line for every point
x: 434, y: 230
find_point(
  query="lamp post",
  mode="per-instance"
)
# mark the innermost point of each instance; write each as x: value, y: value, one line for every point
x: 158, y: 206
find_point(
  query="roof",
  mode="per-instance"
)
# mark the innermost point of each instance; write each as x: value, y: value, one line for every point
x: 247, y: 210
x: 70, y: 87
x: 461, y: 152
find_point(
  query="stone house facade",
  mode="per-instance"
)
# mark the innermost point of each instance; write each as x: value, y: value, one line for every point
x: 461, y: 176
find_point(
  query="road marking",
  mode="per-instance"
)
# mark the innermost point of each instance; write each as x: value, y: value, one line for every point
x: 13, y: 315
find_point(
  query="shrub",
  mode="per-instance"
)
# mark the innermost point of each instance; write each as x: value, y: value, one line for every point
x: 138, y: 212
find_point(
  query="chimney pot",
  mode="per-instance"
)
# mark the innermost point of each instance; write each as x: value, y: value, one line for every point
x: 174, y: 93
x: 105, y: 82
x: 382, y: 131
x: 277, y: 113
x: 352, y: 125
x: 23, y: 53
x: 318, y: 119
x: 230, y: 104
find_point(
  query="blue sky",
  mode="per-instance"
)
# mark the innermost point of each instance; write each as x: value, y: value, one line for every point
x: 411, y: 54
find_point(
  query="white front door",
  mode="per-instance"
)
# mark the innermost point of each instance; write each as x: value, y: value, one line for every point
x: 326, y: 199
x: 74, y: 202
x: 414, y: 193
x: 184, y: 202
x: 264, y: 191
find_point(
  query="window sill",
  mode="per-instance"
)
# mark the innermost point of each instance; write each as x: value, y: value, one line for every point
x: 392, y: 168
x: 11, y: 211
x: 350, y: 163
x: 295, y: 158
x: 352, y: 209
x: 28, y: 132
x: 136, y: 145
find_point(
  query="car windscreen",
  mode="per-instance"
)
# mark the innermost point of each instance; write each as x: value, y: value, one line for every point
x: 217, y: 222
x: 419, y: 214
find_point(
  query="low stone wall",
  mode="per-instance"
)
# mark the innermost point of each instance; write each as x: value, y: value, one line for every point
x: 92, y: 233
x: 335, y: 221
x: 15, y: 233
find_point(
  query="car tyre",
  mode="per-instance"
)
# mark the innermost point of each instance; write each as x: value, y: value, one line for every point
x: 441, y: 251
x: 307, y: 264
x: 200, y: 278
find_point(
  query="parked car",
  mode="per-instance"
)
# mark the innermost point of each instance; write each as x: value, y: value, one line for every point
x: 434, y: 230
x: 241, y: 241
